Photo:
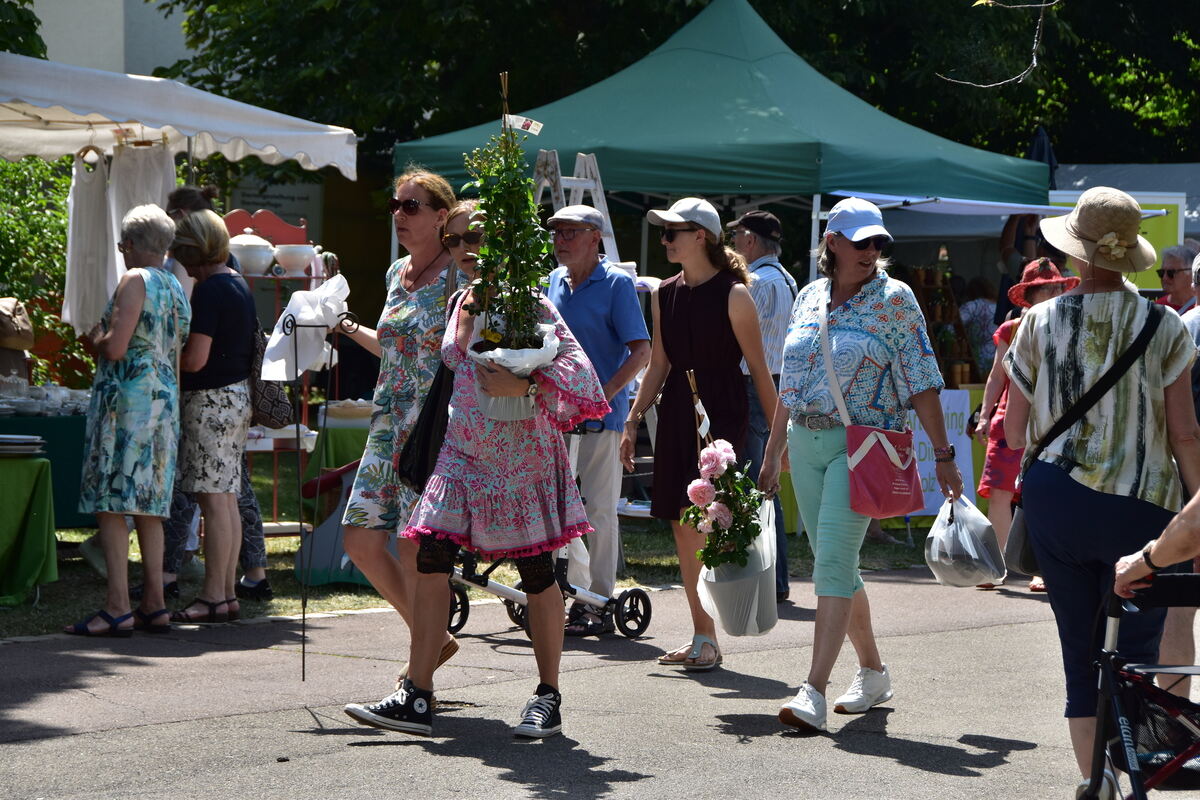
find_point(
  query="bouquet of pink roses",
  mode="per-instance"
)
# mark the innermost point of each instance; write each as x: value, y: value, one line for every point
x: 726, y: 506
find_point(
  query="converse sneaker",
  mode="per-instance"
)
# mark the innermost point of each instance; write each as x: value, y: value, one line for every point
x: 869, y: 688
x: 406, y: 710
x: 806, y: 710
x: 541, y: 717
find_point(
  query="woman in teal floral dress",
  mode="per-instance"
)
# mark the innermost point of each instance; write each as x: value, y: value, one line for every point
x: 408, y: 342
x: 133, y: 422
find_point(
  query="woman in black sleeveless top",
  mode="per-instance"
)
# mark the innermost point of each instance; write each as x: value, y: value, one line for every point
x: 704, y: 321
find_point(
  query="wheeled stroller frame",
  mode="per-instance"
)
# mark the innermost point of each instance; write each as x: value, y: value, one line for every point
x: 1117, y: 728
x: 630, y: 609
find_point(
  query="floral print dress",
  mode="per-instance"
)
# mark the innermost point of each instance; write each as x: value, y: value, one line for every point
x: 133, y: 419
x: 410, y: 340
x: 506, y: 489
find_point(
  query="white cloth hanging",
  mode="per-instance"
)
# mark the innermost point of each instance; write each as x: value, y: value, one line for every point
x: 138, y: 175
x: 93, y: 264
x: 320, y: 307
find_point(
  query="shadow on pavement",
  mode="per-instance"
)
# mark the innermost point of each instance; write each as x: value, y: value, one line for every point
x: 733, y: 685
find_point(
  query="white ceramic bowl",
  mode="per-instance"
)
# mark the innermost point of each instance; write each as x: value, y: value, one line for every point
x: 294, y: 258
x: 254, y: 258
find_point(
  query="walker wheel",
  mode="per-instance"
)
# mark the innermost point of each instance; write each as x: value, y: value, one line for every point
x: 460, y: 608
x: 633, y: 612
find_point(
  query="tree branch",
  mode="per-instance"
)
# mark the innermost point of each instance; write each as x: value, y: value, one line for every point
x: 1037, y: 42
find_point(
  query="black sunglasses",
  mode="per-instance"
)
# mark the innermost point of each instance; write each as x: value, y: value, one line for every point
x: 1162, y: 273
x: 410, y: 206
x: 470, y: 237
x: 879, y: 242
x: 669, y: 234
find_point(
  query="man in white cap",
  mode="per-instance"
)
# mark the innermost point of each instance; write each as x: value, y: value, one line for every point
x: 599, y: 303
x: 756, y: 237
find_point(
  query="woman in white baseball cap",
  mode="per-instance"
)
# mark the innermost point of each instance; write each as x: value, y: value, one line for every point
x: 704, y: 323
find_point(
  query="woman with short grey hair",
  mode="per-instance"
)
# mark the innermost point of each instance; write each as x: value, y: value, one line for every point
x: 133, y: 422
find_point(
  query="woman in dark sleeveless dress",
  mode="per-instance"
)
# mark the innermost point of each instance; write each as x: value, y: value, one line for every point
x: 704, y: 321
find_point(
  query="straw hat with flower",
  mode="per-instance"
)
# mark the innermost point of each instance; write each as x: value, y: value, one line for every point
x: 1102, y: 230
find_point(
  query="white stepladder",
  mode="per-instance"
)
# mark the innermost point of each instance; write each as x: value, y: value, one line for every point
x: 547, y: 174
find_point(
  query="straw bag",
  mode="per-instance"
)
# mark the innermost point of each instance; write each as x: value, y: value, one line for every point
x: 883, y: 466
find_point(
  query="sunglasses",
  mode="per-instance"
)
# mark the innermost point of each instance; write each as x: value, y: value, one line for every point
x: 568, y: 234
x: 878, y: 242
x: 410, y: 207
x: 124, y: 246
x: 1162, y: 273
x: 669, y: 234
x: 470, y: 237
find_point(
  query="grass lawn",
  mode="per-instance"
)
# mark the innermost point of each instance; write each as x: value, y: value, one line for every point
x: 649, y: 561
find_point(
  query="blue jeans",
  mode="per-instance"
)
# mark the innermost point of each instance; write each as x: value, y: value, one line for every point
x: 756, y: 443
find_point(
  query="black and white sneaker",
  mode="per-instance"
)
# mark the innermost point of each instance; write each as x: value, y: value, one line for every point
x: 407, y: 710
x: 541, y: 717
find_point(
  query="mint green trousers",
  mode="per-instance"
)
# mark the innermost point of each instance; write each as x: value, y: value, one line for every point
x: 821, y: 482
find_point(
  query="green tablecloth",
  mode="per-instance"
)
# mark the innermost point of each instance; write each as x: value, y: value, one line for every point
x: 336, y: 447
x: 64, y: 448
x: 27, y: 554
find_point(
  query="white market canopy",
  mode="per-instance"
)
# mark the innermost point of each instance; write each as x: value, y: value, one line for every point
x: 49, y: 109
x: 963, y: 207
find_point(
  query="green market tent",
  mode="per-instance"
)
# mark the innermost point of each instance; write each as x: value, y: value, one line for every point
x: 723, y: 107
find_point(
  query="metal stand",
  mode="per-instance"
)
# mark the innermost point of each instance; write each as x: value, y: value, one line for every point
x: 348, y: 323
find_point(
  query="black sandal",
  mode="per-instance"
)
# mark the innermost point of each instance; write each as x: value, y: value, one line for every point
x: 114, y: 630
x: 234, y: 614
x: 213, y: 617
x: 589, y: 626
x: 142, y: 621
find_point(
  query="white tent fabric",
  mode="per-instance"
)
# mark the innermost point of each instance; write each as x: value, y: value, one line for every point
x: 960, y: 206
x: 50, y: 110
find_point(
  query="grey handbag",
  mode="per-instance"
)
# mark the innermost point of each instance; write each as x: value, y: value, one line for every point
x: 1018, y: 550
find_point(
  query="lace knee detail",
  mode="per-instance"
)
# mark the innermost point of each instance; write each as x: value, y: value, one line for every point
x: 537, y: 572
x: 435, y: 555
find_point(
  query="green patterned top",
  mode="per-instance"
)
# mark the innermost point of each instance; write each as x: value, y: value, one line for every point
x: 1120, y: 447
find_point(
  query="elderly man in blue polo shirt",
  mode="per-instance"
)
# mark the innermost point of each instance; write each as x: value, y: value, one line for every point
x: 599, y: 303
x: 756, y: 237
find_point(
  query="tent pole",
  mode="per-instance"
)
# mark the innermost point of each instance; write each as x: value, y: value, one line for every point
x: 191, y: 153
x: 645, y: 253
x: 813, y: 237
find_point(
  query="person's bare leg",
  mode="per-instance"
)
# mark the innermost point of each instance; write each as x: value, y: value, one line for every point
x: 829, y: 632
x: 114, y: 539
x: 1178, y: 646
x: 1000, y: 514
x: 546, y: 629
x: 1083, y: 740
x: 687, y: 541
x: 218, y: 543
x: 862, y: 635
x: 233, y: 519
x: 150, y: 542
x: 431, y: 609
x: 394, y: 578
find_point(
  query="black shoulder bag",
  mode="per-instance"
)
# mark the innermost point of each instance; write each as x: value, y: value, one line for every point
x: 417, y: 458
x: 1018, y: 551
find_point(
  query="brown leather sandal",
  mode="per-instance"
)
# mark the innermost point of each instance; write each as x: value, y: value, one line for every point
x: 213, y: 617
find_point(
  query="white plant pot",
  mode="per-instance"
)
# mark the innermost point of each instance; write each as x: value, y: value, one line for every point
x: 521, y: 362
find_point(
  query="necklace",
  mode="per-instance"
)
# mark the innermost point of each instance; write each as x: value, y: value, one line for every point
x: 413, y: 281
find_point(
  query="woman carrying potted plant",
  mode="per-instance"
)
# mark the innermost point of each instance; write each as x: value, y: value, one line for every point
x: 704, y: 322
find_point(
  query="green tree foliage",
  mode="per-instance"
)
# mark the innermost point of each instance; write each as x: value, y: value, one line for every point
x: 33, y: 259
x: 19, y: 29
x: 393, y: 72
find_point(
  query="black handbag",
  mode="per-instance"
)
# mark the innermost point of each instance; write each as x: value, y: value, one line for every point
x: 270, y: 405
x: 419, y: 456
x: 1018, y: 550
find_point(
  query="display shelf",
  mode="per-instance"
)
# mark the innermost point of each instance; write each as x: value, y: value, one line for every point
x: 947, y: 334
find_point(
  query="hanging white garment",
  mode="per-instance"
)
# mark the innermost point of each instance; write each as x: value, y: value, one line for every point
x: 93, y: 268
x: 304, y: 346
x: 138, y: 175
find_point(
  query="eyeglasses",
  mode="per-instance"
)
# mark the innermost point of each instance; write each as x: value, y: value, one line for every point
x: 124, y: 246
x: 878, y: 242
x: 470, y: 237
x: 410, y: 207
x: 568, y: 234
x: 669, y: 234
x: 1162, y: 273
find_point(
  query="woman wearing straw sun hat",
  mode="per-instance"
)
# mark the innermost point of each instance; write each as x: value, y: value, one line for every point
x: 1108, y: 483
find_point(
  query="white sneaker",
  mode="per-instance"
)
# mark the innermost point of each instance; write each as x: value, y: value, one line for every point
x: 806, y: 710
x: 869, y: 688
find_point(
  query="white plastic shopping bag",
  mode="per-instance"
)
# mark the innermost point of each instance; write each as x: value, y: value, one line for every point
x: 742, y: 599
x: 961, y: 548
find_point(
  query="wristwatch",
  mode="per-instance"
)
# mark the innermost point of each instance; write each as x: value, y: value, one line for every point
x: 533, y: 387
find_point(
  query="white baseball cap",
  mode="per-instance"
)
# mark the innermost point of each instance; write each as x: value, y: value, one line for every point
x: 695, y: 210
x: 585, y: 215
x: 856, y: 219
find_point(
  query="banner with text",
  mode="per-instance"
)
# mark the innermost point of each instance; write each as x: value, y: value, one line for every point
x: 956, y: 408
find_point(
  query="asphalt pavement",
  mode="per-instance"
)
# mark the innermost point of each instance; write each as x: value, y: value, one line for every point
x: 222, y: 712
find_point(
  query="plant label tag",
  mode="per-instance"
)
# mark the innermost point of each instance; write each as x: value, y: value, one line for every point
x: 523, y: 124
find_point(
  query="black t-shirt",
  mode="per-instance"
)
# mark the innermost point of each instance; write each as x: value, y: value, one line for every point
x: 223, y: 308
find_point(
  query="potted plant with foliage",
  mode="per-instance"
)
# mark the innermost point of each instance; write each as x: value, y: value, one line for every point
x: 514, y: 260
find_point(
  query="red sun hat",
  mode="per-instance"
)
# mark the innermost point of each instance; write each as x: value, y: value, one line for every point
x: 1040, y: 272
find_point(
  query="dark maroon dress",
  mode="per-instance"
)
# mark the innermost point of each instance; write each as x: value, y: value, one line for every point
x: 696, y: 334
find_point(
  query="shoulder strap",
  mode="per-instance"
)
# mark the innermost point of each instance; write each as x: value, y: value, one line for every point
x: 1106, y: 382
x: 788, y: 279
x: 835, y: 385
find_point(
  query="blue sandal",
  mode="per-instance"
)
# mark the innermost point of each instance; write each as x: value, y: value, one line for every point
x: 114, y: 630
x: 143, y: 621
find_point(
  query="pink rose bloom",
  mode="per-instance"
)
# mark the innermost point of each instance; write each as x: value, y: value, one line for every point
x: 725, y: 450
x: 720, y: 514
x: 711, y: 463
x: 705, y: 526
x: 701, y: 492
